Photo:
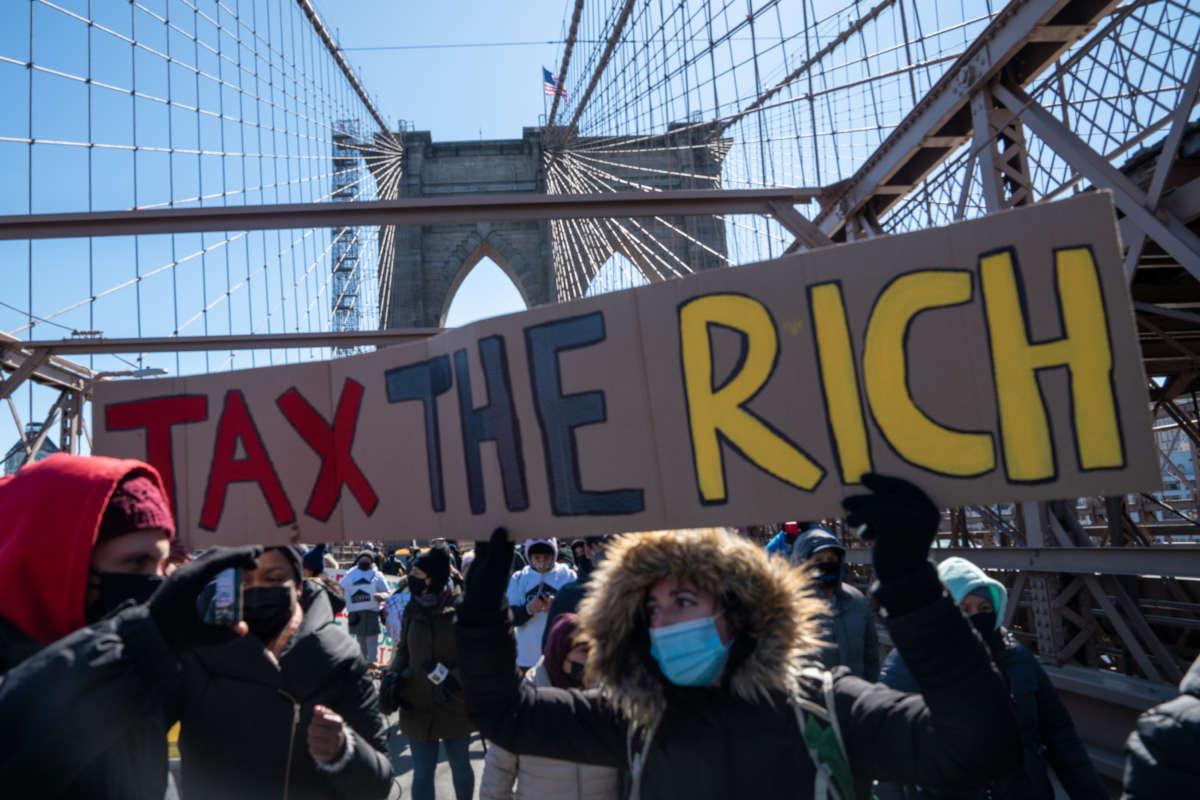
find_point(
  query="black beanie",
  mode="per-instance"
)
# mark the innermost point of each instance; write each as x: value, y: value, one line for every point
x: 294, y: 557
x: 435, y: 563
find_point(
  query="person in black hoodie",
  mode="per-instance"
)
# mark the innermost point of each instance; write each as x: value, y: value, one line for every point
x: 1161, y: 752
x: 89, y: 664
x: 313, y: 568
x: 288, y: 710
x: 701, y: 646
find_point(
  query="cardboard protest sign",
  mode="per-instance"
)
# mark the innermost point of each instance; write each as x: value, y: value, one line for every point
x: 992, y: 360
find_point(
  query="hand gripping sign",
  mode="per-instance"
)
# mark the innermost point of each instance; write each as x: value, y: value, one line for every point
x: 989, y: 361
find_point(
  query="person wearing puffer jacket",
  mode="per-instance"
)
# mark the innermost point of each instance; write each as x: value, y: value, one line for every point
x: 701, y: 650
x: 537, y: 778
x: 1161, y: 752
x: 1048, y: 735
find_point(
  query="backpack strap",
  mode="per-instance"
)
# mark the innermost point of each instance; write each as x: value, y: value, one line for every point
x: 637, y: 761
x: 822, y: 735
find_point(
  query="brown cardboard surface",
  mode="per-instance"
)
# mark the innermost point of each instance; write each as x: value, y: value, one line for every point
x: 733, y: 396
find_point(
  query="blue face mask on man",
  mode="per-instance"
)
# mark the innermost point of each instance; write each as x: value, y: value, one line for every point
x: 689, y: 653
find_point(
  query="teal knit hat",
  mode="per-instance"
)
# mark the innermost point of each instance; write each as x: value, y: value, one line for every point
x: 962, y: 577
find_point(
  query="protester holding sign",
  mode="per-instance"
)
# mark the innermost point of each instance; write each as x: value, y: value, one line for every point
x: 365, y: 588
x: 534, y: 778
x: 84, y: 709
x: 701, y: 645
x: 423, y: 681
x: 289, y: 710
x: 531, y: 592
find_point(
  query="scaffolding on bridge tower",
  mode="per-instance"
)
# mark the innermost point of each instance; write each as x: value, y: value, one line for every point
x: 345, y: 314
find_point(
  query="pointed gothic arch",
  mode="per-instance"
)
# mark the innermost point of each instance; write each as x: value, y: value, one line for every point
x: 483, y: 250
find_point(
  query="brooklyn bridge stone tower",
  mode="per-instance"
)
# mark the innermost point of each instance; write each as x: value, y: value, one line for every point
x: 428, y: 262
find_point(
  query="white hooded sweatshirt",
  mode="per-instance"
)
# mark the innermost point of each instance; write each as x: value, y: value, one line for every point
x: 528, y: 584
x: 360, y: 586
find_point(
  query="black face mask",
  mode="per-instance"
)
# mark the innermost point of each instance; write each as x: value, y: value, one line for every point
x: 985, y: 623
x: 575, y: 674
x: 417, y: 586
x: 365, y: 565
x: 267, y: 610
x: 117, y: 587
x: 828, y: 573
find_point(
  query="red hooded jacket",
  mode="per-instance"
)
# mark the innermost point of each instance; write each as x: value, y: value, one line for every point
x: 50, y: 516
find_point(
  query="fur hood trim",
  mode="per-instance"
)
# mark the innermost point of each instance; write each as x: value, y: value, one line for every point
x: 776, y: 601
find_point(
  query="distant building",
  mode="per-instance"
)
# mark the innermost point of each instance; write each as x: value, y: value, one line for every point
x: 14, y: 457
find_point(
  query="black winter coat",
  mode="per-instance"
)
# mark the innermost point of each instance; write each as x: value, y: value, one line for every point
x: 85, y: 716
x: 429, y: 713
x: 244, y: 720
x: 1048, y: 735
x: 712, y: 743
x: 566, y: 602
x: 1163, y: 752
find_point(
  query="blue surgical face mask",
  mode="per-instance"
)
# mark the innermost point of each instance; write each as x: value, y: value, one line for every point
x: 689, y: 653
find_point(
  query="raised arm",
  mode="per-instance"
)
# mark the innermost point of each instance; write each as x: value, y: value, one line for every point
x: 960, y: 731
x: 555, y: 723
x: 67, y: 705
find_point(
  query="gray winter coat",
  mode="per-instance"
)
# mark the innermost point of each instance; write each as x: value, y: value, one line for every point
x: 850, y: 634
x: 538, y: 778
x: 1162, y: 750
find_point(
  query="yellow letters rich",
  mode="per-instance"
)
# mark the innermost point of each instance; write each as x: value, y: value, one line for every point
x: 915, y: 437
x: 1084, y: 349
x: 839, y: 380
x: 720, y: 413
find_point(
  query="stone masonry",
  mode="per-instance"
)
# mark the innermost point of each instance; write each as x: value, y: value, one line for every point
x: 430, y: 261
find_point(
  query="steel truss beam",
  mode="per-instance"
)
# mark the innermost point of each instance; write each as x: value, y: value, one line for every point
x: 408, y: 211
x: 1178, y: 561
x: 50, y: 370
x: 1021, y: 41
x: 1169, y: 232
x: 256, y: 341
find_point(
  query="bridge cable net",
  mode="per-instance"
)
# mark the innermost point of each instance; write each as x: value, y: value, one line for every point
x: 1116, y: 90
x: 185, y: 103
x: 751, y: 94
x: 736, y: 94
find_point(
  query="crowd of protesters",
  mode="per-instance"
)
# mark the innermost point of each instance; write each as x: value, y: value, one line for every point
x: 669, y: 664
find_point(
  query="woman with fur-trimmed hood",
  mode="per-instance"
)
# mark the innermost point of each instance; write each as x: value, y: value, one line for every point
x: 702, y: 647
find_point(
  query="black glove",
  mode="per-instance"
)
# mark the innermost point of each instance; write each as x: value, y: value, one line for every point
x: 486, y: 601
x: 447, y: 690
x: 390, y: 686
x: 900, y: 520
x: 173, y: 605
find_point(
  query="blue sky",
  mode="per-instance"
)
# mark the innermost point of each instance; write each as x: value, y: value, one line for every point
x: 456, y: 93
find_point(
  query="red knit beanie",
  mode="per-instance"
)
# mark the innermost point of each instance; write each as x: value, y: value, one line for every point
x: 136, y: 505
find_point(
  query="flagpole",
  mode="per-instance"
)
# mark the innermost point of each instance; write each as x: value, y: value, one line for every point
x: 545, y: 111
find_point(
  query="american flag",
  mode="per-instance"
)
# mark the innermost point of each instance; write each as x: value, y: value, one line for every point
x: 550, y: 85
